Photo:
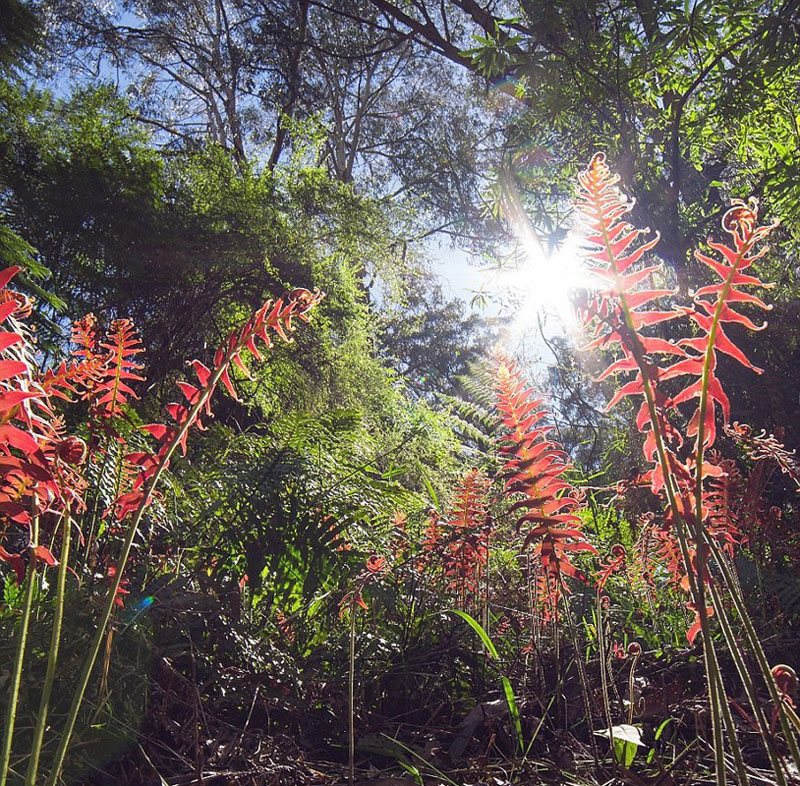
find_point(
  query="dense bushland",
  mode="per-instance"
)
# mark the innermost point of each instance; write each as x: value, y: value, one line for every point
x: 218, y: 574
x: 386, y: 549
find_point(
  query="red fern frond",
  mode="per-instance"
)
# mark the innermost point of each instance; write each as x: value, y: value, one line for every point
x: 621, y: 309
x: 38, y: 461
x: 666, y: 553
x: 85, y: 337
x: 122, y: 346
x: 618, y: 314
x: 722, y: 504
x: 543, y: 500
x: 273, y: 317
x: 26, y: 420
x: 616, y: 564
x: 713, y: 309
x: 71, y: 378
x: 466, y: 533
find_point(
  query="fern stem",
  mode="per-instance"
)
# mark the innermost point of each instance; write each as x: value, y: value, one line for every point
x: 584, y: 682
x: 351, y: 687
x: 52, y: 655
x: 95, y: 501
x: 19, y: 657
x: 601, y: 652
x: 757, y: 650
x: 133, y: 528
x: 711, y: 663
x: 747, y: 682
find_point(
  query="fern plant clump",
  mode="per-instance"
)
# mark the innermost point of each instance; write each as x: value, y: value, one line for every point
x: 44, y: 488
x: 568, y: 588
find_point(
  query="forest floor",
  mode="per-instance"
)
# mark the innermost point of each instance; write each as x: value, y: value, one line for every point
x: 276, y: 741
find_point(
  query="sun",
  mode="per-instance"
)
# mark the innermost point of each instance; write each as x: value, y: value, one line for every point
x: 543, y: 284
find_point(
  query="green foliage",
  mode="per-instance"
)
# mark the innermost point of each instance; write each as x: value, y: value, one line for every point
x: 282, y: 508
x: 20, y: 32
x: 347, y: 447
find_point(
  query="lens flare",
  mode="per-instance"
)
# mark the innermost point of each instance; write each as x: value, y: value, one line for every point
x: 544, y: 282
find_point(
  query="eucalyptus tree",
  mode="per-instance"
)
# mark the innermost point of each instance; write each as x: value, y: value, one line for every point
x: 261, y: 78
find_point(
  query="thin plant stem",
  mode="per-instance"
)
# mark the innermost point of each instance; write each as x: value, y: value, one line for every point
x: 52, y: 655
x: 19, y: 657
x: 747, y: 682
x: 95, y: 501
x: 632, y: 685
x: 351, y: 687
x: 582, y: 677
x: 756, y: 648
x: 601, y: 654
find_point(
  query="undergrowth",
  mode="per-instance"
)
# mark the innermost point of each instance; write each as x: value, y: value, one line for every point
x: 312, y: 594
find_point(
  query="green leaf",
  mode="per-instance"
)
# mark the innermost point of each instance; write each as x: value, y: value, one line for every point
x: 626, y: 739
x: 476, y: 626
x: 412, y: 771
x: 513, y: 710
x: 624, y: 752
x: 662, y: 726
x: 431, y: 491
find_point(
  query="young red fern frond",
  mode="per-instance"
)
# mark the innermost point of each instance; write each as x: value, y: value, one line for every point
x: 616, y: 564
x: 713, y: 309
x: 85, y: 337
x: 621, y: 308
x: 534, y: 465
x: 620, y: 313
x: 26, y: 420
x: 766, y: 447
x: 639, y: 566
x: 38, y: 462
x: 271, y: 318
x: 78, y: 375
x: 722, y: 504
x: 467, y: 531
x: 112, y: 392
